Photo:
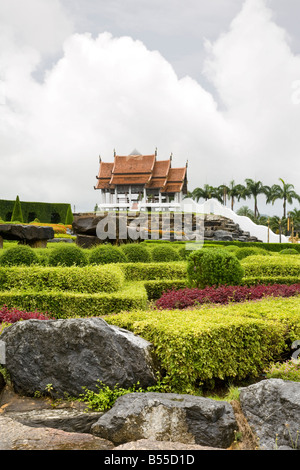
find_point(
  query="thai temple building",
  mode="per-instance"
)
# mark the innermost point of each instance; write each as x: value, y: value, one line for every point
x: 139, y: 182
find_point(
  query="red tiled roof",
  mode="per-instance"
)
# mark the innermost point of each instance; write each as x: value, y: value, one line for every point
x: 175, y: 180
x: 141, y: 170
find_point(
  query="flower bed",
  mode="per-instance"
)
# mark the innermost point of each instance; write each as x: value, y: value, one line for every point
x: 185, y: 298
x: 12, y: 315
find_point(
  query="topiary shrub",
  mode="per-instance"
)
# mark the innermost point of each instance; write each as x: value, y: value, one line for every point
x: 18, y: 255
x: 213, y: 268
x: 251, y: 251
x: 67, y: 255
x: 136, y: 253
x: 289, y: 251
x: 105, y: 254
x: 164, y: 253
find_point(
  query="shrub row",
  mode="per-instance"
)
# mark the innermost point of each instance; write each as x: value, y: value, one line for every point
x: 184, y: 298
x: 271, y: 266
x: 67, y: 304
x: 195, y: 347
x: 91, y: 279
x: 69, y: 255
x: 154, y: 271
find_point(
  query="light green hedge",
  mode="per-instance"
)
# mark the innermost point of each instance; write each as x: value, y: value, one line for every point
x: 67, y: 304
x: 273, y: 266
x: 154, y: 271
x: 90, y: 279
x: 197, y: 346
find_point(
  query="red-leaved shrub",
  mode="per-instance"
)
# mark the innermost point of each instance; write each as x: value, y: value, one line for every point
x: 12, y: 315
x: 187, y: 297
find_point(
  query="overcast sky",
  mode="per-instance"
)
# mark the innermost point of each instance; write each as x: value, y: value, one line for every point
x: 216, y: 83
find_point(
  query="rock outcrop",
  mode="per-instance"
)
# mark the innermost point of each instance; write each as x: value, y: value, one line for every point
x: 168, y: 417
x: 32, y: 235
x: 272, y: 409
x: 214, y: 228
x: 67, y: 355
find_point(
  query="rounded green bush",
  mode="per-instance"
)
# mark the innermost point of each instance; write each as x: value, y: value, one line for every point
x: 213, y: 268
x: 18, y: 255
x: 164, y: 253
x: 251, y: 251
x: 136, y: 253
x: 289, y: 251
x: 232, y: 248
x: 105, y: 254
x: 67, y: 255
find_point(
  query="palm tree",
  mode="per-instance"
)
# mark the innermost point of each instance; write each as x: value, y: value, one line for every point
x: 254, y: 188
x: 203, y: 193
x: 285, y: 192
x: 236, y: 191
x: 223, y: 191
x: 246, y: 211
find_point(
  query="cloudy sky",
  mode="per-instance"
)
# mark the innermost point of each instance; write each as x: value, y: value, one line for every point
x: 216, y: 83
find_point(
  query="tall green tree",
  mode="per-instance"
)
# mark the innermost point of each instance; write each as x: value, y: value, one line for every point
x: 17, y: 215
x: 254, y: 189
x: 236, y: 192
x: 285, y: 192
x: 203, y: 193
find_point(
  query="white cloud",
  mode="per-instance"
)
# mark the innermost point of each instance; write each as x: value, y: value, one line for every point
x: 105, y: 93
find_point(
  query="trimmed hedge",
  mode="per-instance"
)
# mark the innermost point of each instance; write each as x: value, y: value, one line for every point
x: 155, y: 289
x: 196, y: 347
x: 136, y: 253
x: 45, y: 212
x: 18, y: 255
x: 66, y: 304
x: 154, y: 271
x: 67, y: 255
x: 242, y: 253
x: 271, y: 266
x: 165, y: 253
x: 105, y: 254
x: 86, y: 279
x: 213, y: 268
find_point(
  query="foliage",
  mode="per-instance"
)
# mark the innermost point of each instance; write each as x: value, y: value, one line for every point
x: 69, y: 304
x: 104, y: 254
x: 289, y: 251
x: 164, y: 253
x: 12, y: 315
x: 67, y: 255
x: 288, y: 370
x: 18, y: 255
x: 69, y: 216
x: 154, y: 271
x: 275, y: 266
x: 136, y: 253
x: 213, y: 268
x: 250, y: 251
x: 185, y: 298
x: 90, y: 279
x: 105, y: 397
x: 45, y: 212
x: 155, y: 288
x: 17, y: 211
x: 195, y: 347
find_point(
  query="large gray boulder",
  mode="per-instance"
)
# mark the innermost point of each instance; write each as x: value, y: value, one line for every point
x: 272, y: 409
x: 27, y: 234
x: 168, y: 417
x: 67, y: 355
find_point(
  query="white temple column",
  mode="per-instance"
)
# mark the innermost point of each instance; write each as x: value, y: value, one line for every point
x: 129, y: 194
x: 145, y: 195
x: 159, y: 197
x: 116, y: 196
